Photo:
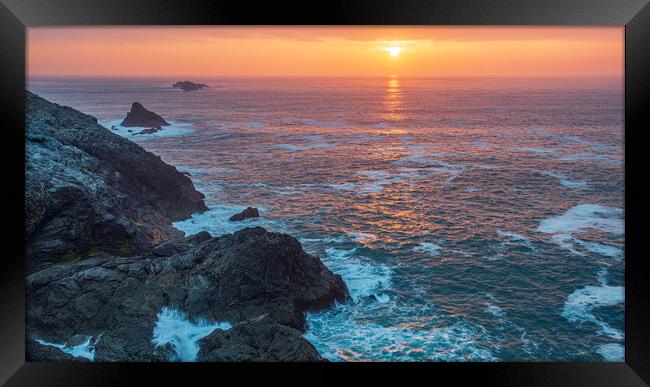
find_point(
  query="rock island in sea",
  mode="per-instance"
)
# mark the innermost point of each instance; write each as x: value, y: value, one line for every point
x: 110, y: 279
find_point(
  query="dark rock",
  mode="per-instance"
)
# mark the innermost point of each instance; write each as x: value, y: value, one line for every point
x: 189, y: 86
x: 231, y: 278
x: 258, y: 339
x: 148, y: 131
x: 249, y: 212
x: 176, y: 246
x: 90, y: 192
x: 97, y: 204
x: 113, y: 127
x: 139, y: 116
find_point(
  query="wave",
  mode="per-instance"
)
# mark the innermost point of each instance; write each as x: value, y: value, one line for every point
x: 581, y: 218
x: 362, y: 237
x: 584, y: 216
x: 343, y: 334
x: 365, y: 281
x: 518, y: 239
x: 174, y: 327
x: 579, y: 305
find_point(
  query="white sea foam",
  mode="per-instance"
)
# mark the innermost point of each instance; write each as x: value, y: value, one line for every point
x: 565, y: 181
x: 428, y: 248
x: 175, y: 328
x: 581, y: 218
x: 612, y: 352
x: 85, y: 349
x: 517, y: 239
x: 362, y: 278
x: 215, y: 221
x: 340, y: 334
x: 362, y: 237
x: 494, y: 310
x: 579, y: 305
x: 174, y: 129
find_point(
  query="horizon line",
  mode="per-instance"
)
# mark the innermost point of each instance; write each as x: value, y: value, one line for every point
x: 188, y: 77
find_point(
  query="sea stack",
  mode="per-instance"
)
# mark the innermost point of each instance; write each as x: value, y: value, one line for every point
x: 141, y: 117
x: 189, y: 86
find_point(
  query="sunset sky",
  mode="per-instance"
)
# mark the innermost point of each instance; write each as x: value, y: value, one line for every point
x: 326, y: 51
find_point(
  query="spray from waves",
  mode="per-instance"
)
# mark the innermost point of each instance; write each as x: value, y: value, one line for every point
x: 579, y: 219
x: 215, y: 221
x: 365, y: 281
x: 345, y: 333
x: 84, y: 349
x: 175, y: 328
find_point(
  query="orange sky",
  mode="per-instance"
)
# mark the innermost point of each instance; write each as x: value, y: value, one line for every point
x: 325, y: 51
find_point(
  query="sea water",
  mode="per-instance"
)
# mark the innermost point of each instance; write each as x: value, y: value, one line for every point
x: 472, y: 219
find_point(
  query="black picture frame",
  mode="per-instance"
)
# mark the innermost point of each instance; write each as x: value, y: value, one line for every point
x: 16, y: 15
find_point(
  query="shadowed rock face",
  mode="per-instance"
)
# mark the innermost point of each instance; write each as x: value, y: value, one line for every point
x: 90, y: 192
x: 189, y: 86
x: 139, y: 116
x: 258, y: 339
x: 234, y: 278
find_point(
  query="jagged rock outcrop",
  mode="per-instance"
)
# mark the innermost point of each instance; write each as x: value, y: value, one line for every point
x: 258, y: 339
x: 90, y: 192
x: 248, y: 213
x: 141, y: 117
x: 104, y: 260
x: 233, y: 278
x: 189, y: 86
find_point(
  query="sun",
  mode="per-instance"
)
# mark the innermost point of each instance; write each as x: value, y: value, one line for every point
x: 394, y: 51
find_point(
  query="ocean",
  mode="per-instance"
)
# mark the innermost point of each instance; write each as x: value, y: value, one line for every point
x: 472, y: 219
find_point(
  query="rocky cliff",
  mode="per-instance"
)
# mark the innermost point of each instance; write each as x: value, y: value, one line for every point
x: 89, y: 191
x: 109, y: 277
